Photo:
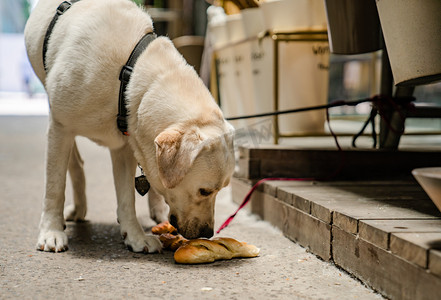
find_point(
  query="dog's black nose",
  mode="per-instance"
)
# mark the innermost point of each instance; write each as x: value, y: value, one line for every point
x: 206, y: 232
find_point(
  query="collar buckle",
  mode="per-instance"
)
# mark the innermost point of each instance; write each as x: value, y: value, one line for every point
x: 63, y: 7
x: 125, y: 73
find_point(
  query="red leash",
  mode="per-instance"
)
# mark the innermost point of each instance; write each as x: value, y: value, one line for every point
x: 248, y: 197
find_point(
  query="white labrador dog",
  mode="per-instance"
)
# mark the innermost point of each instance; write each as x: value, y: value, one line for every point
x: 177, y: 132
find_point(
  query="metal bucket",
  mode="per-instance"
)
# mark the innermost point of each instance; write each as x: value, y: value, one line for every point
x: 353, y: 26
x: 412, y: 33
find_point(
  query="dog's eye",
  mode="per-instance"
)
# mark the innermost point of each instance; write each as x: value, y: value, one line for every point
x: 205, y: 192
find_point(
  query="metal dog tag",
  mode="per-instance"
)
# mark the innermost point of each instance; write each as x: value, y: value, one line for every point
x: 142, y: 185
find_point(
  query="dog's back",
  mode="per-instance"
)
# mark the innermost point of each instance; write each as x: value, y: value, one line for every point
x: 88, y: 46
x: 93, y: 34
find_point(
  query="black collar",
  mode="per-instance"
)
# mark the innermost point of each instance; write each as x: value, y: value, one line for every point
x: 124, y: 77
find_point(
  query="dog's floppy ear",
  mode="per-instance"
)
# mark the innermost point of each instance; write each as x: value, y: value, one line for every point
x: 176, y: 151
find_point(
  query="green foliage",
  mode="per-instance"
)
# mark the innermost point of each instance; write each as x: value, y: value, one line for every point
x: 139, y: 2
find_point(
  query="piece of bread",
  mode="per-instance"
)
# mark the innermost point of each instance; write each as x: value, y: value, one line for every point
x: 172, y: 242
x: 205, y: 251
x: 164, y: 227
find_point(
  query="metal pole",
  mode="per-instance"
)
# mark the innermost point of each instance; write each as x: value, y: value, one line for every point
x: 276, y: 87
x: 386, y: 87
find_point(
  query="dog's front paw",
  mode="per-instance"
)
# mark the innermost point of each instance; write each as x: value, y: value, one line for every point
x: 142, y: 243
x: 52, y: 241
x: 75, y: 213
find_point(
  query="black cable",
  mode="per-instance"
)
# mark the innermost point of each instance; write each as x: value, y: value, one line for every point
x: 336, y: 103
x: 376, y: 100
x: 374, y: 131
x: 296, y: 110
x: 371, y: 120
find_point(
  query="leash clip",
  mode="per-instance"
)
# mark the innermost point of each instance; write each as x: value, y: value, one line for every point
x: 122, y: 124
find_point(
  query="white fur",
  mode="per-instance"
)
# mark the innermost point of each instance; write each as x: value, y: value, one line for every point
x: 177, y: 132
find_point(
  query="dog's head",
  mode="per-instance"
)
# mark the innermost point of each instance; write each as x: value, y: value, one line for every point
x: 179, y: 137
x: 193, y: 165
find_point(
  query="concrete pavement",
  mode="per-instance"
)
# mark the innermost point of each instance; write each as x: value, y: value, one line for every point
x: 97, y: 265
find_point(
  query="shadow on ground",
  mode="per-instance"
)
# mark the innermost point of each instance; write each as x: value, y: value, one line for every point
x: 102, y: 242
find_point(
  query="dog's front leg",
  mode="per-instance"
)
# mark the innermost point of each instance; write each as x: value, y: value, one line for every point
x: 124, y: 167
x: 52, y: 236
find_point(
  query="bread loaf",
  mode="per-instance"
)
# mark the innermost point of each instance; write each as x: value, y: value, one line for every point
x: 199, y: 251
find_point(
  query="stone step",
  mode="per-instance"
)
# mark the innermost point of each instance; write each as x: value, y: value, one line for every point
x: 386, y: 233
x: 331, y: 164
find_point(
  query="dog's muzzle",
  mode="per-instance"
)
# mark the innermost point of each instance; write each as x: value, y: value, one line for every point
x: 190, y: 232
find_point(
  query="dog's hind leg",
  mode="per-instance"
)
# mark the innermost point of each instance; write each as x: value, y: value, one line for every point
x: 77, y: 211
x: 158, y: 208
x: 124, y: 168
x: 60, y: 143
